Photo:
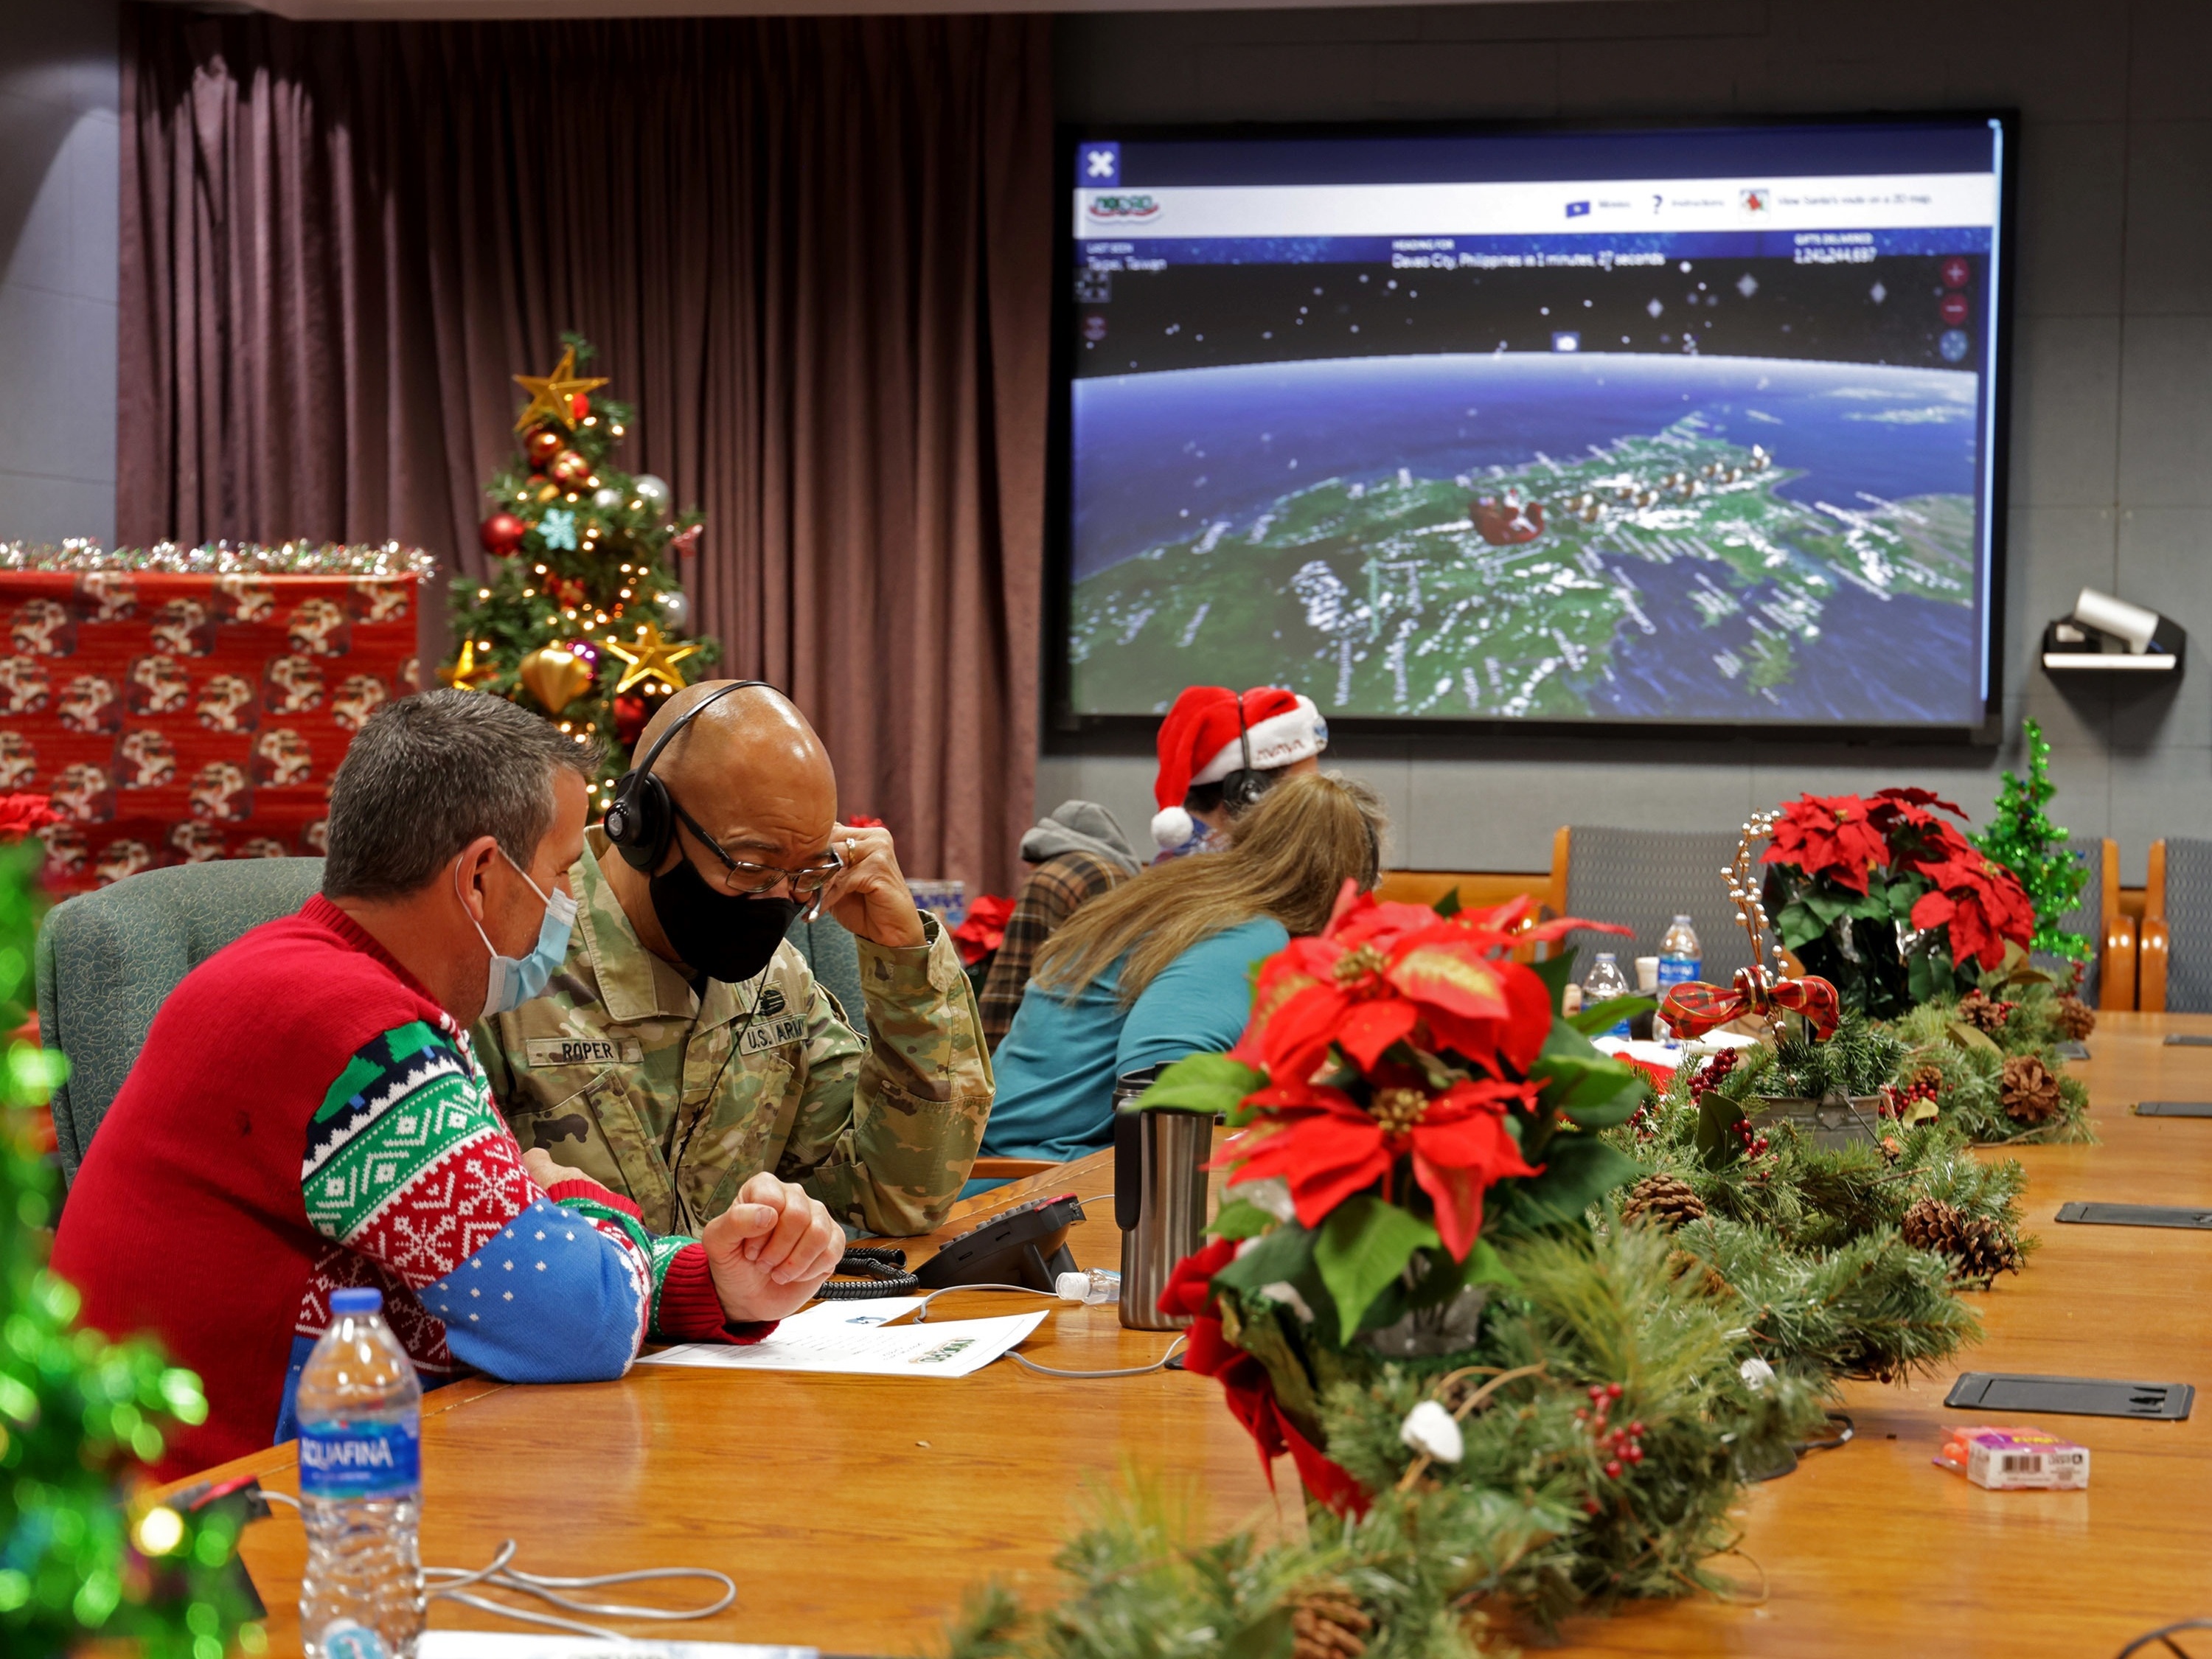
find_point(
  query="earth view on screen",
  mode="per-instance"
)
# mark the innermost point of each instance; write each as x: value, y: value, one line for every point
x: 1527, y: 536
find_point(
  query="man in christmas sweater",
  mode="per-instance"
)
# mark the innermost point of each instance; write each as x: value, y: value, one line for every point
x: 308, y: 1115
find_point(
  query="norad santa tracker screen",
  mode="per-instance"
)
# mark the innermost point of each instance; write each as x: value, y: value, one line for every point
x: 1667, y: 426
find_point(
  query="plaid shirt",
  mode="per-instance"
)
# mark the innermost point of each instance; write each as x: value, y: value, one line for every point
x: 1054, y: 891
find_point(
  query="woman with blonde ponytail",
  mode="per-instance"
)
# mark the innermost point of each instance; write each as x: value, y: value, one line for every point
x: 1161, y: 967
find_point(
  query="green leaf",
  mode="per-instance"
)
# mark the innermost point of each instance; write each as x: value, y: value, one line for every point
x: 1201, y: 1083
x: 1484, y: 1265
x: 1797, y: 925
x: 1717, y: 1116
x: 1574, y: 1084
x: 1602, y: 1017
x: 1364, y: 1245
x: 1616, y: 1109
x: 1240, y: 1218
x: 1578, y: 1171
x: 1284, y: 1253
x: 1557, y: 972
x: 1967, y: 1036
x: 1903, y: 895
x: 1829, y: 906
x: 1448, y: 905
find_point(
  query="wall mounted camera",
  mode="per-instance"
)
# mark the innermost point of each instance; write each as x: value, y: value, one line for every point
x: 2105, y: 634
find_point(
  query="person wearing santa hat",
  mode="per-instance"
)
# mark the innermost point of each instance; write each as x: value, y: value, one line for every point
x: 1220, y: 753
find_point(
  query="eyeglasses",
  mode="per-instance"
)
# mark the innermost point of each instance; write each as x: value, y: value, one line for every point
x: 747, y: 879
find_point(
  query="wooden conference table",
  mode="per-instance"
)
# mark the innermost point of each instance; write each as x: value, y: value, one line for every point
x: 853, y: 1513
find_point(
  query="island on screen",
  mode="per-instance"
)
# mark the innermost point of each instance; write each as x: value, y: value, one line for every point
x: 1669, y: 426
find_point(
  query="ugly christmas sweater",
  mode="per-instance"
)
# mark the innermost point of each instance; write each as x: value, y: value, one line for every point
x: 305, y: 1118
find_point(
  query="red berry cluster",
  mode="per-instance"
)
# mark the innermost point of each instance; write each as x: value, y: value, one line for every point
x: 1620, y: 1445
x: 1754, y: 1146
x: 1711, y: 1074
x: 1896, y: 1102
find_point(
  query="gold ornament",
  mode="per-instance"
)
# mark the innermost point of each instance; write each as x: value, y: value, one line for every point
x: 465, y: 674
x: 653, y: 657
x: 556, y: 676
x: 550, y: 394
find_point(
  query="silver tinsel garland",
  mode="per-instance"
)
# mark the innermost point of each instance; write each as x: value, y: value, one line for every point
x: 224, y: 558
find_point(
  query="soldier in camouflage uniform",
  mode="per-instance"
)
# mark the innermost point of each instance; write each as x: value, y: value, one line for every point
x: 674, y: 1088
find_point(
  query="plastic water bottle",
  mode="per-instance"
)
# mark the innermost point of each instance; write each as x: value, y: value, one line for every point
x: 361, y: 1487
x: 1093, y: 1286
x: 1680, y: 960
x: 1606, y: 983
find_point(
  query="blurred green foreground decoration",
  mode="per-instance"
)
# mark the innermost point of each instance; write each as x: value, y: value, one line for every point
x: 85, y: 1561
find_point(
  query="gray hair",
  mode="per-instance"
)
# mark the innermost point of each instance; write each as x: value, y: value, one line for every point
x: 429, y: 774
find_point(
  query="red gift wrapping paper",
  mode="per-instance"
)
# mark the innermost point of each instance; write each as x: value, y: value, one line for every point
x: 175, y: 717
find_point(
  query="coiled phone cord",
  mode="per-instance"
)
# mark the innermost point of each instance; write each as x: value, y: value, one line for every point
x: 884, y: 1274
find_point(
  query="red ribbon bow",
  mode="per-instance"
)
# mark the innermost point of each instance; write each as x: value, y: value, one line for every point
x: 1694, y: 1007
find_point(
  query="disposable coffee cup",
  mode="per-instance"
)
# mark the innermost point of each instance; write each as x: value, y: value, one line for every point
x: 1647, y: 975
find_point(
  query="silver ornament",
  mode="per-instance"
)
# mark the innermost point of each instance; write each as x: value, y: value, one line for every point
x: 606, y: 498
x: 676, y: 608
x: 651, y: 493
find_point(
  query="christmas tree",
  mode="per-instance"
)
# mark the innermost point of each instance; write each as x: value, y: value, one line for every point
x: 585, y: 621
x: 84, y: 1554
x: 2022, y: 838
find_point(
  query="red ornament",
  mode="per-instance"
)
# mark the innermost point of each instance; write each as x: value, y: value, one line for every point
x: 629, y: 718
x: 542, y: 445
x: 501, y: 533
x: 567, y: 591
x: 568, y: 468
x: 580, y: 405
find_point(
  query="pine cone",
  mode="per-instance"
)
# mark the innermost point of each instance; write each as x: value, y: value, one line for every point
x: 1979, y: 1248
x: 2028, y: 1090
x: 1327, y: 1622
x: 2075, y: 1018
x: 1978, y: 1011
x: 1680, y: 1264
x: 1666, y: 1199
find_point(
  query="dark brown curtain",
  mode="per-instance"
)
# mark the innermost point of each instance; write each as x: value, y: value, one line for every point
x: 814, y: 253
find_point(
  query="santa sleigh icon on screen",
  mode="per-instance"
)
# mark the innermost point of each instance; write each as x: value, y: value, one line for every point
x: 1504, y: 521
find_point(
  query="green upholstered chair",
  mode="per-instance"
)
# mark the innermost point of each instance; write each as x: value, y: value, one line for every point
x: 835, y: 958
x: 107, y: 959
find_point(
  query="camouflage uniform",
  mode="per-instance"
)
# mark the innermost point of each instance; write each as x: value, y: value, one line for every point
x: 620, y: 1071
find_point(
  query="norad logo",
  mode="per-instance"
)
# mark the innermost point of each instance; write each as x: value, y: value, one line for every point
x: 1122, y: 208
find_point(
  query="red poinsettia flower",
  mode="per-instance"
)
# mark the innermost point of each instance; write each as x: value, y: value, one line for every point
x: 25, y: 814
x: 1831, y: 835
x: 1979, y: 904
x: 983, y: 929
x: 1912, y: 800
x: 1382, y: 972
x: 1327, y: 1147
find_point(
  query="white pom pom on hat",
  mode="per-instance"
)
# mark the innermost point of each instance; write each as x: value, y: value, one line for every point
x: 1172, y: 827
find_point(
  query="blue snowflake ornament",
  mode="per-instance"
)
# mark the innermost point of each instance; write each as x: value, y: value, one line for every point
x: 557, y: 528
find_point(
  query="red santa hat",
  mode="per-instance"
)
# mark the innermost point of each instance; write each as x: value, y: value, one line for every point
x: 1201, y: 742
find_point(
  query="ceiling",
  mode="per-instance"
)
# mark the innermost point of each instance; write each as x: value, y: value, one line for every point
x: 326, y: 10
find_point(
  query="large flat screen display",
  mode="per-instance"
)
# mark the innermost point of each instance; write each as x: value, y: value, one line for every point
x: 1685, y: 426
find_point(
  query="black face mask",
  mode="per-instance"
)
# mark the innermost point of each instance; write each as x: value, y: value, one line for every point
x: 721, y: 935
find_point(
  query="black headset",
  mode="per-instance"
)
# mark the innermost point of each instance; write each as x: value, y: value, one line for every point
x: 642, y: 817
x: 1241, y: 790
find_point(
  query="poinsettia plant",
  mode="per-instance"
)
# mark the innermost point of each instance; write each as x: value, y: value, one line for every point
x: 1406, y: 1088
x: 1888, y: 901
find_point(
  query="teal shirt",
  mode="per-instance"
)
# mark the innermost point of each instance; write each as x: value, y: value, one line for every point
x: 1057, y: 1066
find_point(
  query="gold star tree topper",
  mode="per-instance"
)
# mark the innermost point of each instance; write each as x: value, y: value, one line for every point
x: 550, y: 394
x: 652, y: 659
x: 466, y: 674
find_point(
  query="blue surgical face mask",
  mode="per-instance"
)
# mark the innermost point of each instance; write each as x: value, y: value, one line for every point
x: 514, y: 982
